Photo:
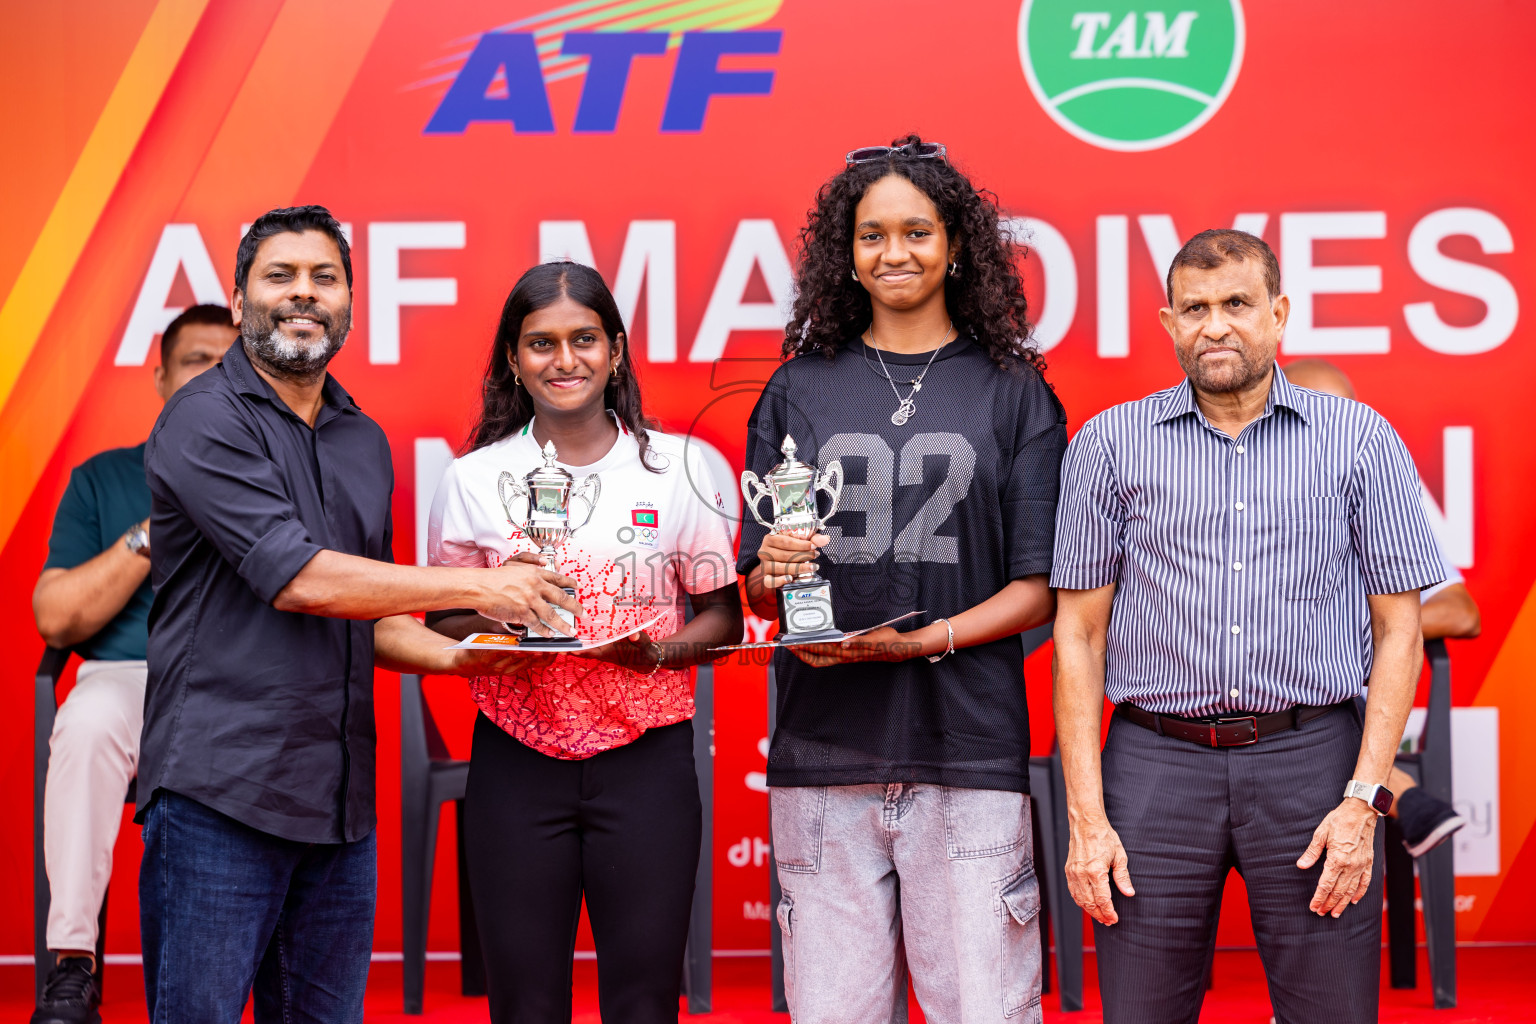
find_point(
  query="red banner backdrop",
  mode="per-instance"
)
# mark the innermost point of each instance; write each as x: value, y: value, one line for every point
x: 677, y: 145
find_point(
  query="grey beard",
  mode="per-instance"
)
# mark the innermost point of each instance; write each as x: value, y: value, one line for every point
x: 290, y: 358
x: 1251, y: 375
x: 1252, y: 372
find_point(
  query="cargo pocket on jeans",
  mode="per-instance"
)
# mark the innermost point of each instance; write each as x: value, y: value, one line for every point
x: 786, y: 917
x: 1021, y: 953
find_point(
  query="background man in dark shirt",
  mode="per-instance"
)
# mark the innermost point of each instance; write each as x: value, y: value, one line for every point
x: 273, y: 594
x: 93, y: 596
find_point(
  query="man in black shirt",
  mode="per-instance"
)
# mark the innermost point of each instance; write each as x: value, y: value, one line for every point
x: 93, y: 597
x: 274, y: 599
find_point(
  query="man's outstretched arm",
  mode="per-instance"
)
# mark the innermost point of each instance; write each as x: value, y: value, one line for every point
x: 352, y: 587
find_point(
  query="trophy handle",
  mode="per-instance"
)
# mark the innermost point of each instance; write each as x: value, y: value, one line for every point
x: 830, y: 479
x: 755, y: 491
x: 519, y: 490
x: 595, y: 486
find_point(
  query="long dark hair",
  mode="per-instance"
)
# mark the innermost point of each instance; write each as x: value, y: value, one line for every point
x: 985, y: 297
x: 505, y: 405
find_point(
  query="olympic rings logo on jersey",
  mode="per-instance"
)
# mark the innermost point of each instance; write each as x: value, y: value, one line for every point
x: 645, y: 536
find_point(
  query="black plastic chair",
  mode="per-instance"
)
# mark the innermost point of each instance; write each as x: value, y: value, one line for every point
x: 1431, y: 768
x: 429, y: 777
x: 1063, y: 917
x: 1048, y: 799
x: 45, y: 708
x: 699, y: 959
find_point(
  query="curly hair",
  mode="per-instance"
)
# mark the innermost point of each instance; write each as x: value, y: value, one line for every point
x: 505, y: 405
x: 985, y: 297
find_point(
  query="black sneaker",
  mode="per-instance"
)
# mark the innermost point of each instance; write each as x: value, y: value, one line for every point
x: 1426, y: 821
x: 70, y: 995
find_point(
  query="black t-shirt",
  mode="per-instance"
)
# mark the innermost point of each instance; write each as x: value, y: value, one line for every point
x: 937, y: 515
x: 107, y: 494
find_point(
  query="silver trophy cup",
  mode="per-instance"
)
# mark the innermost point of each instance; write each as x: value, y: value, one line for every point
x: 805, y: 604
x: 548, y: 491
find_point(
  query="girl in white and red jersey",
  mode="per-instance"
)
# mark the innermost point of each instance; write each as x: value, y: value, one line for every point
x: 581, y: 780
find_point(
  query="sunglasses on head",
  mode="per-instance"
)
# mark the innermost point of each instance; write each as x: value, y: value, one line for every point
x: 913, y: 150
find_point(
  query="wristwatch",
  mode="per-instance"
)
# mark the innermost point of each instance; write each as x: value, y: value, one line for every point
x: 1379, y: 797
x: 137, y: 539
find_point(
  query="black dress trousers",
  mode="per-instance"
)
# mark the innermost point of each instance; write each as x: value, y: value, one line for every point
x: 1188, y: 814
x: 620, y: 829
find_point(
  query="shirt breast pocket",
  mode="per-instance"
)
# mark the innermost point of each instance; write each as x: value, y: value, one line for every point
x: 1317, y: 538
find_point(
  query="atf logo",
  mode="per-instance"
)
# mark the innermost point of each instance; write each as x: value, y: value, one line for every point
x: 1123, y: 77
x: 505, y: 77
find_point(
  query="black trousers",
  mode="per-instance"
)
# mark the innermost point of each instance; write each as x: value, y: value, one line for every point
x: 622, y: 828
x: 1189, y: 814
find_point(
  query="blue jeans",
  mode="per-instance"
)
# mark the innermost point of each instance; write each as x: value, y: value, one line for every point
x: 224, y: 908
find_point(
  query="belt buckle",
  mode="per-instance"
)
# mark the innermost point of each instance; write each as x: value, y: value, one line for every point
x: 1253, y: 722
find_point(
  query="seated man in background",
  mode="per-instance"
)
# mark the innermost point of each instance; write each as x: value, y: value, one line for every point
x: 93, y: 596
x: 1448, y: 610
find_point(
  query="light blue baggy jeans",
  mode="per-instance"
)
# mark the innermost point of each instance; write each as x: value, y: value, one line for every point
x: 880, y: 880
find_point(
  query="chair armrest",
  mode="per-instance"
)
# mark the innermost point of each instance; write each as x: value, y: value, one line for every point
x: 45, y: 694
x: 1034, y: 639
x: 1435, y: 742
x: 51, y: 665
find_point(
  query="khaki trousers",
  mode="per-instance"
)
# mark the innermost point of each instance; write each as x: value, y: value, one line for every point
x: 93, y: 753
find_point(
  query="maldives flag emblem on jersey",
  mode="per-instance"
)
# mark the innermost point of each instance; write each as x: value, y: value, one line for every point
x: 644, y: 517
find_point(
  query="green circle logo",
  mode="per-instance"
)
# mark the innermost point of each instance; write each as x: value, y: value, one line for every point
x: 1127, y: 78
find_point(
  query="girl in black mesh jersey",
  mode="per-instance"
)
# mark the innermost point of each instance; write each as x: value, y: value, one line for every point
x: 899, y: 763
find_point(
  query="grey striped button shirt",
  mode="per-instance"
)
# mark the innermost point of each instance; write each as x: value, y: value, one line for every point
x: 1242, y: 564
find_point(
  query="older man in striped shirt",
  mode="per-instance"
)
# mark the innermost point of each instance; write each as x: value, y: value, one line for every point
x: 1235, y: 558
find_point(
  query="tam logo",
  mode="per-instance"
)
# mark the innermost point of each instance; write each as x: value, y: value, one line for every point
x: 1127, y: 79
x: 1159, y: 40
x: 696, y: 77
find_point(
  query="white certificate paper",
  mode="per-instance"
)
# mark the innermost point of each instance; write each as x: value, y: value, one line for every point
x: 815, y: 643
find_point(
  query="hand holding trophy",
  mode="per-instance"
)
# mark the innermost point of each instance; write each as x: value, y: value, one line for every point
x: 805, y: 603
x: 548, y: 491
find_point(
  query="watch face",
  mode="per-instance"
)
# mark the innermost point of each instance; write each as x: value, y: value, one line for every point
x: 1382, y: 800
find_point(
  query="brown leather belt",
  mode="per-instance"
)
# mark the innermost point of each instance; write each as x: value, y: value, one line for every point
x: 1225, y: 730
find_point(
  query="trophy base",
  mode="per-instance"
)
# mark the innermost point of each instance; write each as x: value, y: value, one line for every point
x: 549, y: 643
x: 534, y: 642
x: 826, y: 636
x: 805, y: 612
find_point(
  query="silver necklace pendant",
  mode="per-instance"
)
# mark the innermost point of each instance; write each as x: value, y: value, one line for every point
x: 906, y: 407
